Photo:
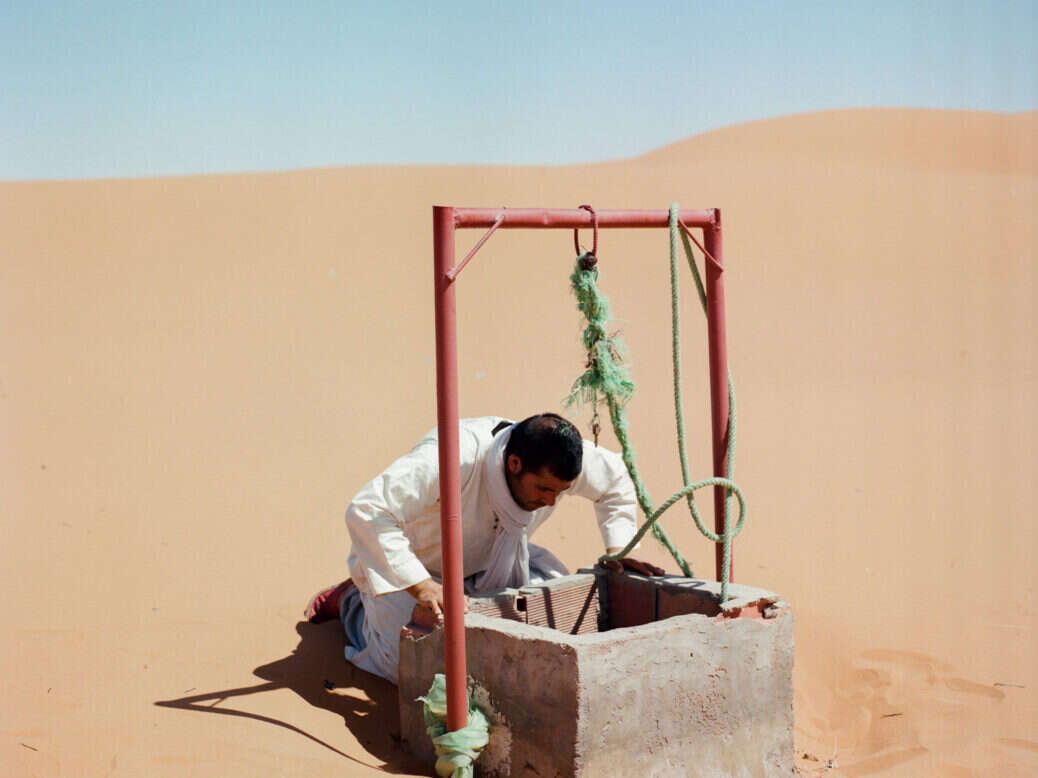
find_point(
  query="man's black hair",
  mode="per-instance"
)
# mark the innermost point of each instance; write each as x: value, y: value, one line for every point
x: 547, y: 440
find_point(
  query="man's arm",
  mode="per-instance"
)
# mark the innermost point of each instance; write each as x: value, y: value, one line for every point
x: 407, y: 489
x: 376, y: 518
x: 604, y: 480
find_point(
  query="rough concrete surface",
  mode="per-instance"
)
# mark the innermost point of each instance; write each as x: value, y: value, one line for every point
x: 690, y: 695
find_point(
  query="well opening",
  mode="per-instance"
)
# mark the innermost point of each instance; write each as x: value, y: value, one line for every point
x: 599, y: 600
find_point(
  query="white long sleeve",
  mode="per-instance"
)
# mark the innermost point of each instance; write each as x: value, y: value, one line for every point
x: 604, y: 480
x: 378, y: 516
x: 394, y: 521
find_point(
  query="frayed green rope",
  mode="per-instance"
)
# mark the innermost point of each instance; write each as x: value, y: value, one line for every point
x: 606, y: 373
x: 607, y: 376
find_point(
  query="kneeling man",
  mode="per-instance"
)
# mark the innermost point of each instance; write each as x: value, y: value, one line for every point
x: 512, y: 475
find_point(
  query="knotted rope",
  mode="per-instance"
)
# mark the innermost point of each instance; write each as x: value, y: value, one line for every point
x: 607, y: 376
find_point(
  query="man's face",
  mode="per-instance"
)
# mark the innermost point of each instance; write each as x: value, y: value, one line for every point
x: 532, y: 490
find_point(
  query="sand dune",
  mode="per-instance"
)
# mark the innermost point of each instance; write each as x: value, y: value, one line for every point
x: 199, y: 372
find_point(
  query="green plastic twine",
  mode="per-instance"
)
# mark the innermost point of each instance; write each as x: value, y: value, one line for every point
x: 607, y: 375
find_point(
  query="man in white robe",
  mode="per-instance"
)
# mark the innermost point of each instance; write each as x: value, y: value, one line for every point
x: 512, y: 475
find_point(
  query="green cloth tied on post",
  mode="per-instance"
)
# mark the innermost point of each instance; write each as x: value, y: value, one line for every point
x: 457, y: 750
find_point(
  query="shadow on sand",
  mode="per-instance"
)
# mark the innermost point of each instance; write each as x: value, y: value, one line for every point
x: 314, y: 671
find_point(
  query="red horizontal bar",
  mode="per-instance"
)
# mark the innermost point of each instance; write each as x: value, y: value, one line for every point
x: 573, y: 218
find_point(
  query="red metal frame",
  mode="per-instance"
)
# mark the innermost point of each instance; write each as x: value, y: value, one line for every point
x: 446, y: 220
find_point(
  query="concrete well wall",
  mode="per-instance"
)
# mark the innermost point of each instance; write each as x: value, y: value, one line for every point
x: 694, y: 694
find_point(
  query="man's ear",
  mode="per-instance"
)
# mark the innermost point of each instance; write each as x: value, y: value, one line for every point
x: 514, y: 464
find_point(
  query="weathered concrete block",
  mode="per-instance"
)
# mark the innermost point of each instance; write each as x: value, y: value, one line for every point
x: 631, y: 599
x: 569, y: 604
x: 706, y: 692
x: 524, y: 678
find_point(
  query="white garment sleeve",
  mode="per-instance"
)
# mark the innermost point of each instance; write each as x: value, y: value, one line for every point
x: 604, y: 480
x: 378, y: 515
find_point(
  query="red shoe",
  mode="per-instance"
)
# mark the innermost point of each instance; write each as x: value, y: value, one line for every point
x: 324, y: 606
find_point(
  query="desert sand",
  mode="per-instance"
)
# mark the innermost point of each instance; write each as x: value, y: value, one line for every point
x: 199, y: 372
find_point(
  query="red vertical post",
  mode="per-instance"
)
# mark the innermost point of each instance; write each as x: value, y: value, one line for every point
x: 718, y: 373
x: 450, y: 467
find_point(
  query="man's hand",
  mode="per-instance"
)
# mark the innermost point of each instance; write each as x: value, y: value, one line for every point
x: 429, y: 594
x: 630, y: 563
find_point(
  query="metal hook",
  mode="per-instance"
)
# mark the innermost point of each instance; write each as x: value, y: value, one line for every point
x: 594, y: 224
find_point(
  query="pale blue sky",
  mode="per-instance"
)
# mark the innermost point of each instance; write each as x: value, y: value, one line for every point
x: 141, y: 89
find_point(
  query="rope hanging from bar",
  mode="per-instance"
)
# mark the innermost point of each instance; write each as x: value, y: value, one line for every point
x: 607, y: 376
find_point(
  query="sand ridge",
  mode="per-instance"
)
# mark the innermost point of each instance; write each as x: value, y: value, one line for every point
x: 198, y: 372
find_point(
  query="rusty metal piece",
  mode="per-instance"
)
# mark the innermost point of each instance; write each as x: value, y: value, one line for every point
x: 588, y: 261
x: 594, y: 224
x: 572, y: 218
x: 447, y: 419
x: 707, y: 254
x: 453, y: 272
x: 718, y: 355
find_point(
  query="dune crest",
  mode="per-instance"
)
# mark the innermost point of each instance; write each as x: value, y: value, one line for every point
x: 919, y: 139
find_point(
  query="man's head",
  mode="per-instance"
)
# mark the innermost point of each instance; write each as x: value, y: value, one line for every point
x: 543, y: 457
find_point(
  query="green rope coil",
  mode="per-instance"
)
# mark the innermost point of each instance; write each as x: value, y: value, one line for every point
x: 606, y: 375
